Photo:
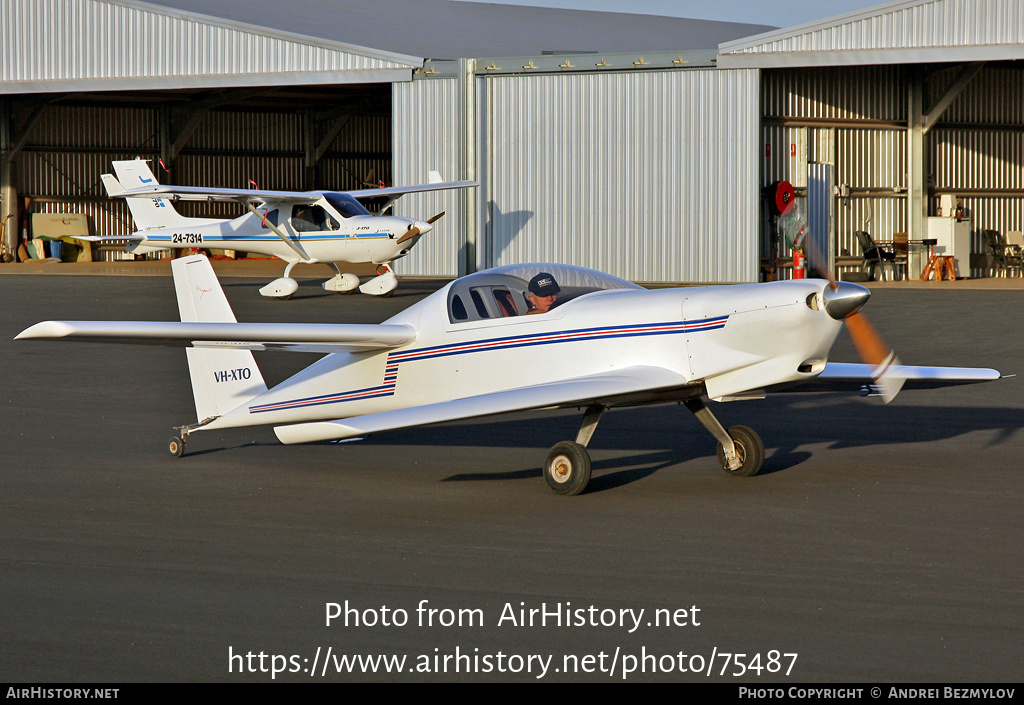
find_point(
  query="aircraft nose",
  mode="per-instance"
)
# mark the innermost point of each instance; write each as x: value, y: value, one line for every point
x: 423, y: 226
x: 845, y: 300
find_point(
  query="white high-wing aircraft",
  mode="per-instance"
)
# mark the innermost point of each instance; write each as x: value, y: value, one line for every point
x: 473, y: 349
x: 299, y: 227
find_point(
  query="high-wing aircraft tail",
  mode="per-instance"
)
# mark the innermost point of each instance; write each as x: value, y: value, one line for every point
x: 148, y: 212
x: 222, y: 379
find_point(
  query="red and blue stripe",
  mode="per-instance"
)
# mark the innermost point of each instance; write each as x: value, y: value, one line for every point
x: 504, y: 343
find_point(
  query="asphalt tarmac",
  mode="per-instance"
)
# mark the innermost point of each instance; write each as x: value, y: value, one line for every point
x: 880, y: 544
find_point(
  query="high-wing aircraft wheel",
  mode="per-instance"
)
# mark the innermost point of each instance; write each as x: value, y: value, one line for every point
x: 567, y: 469
x: 177, y: 446
x: 281, y: 288
x: 750, y: 449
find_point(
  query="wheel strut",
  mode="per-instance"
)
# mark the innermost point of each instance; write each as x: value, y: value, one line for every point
x: 704, y: 415
x: 591, y: 417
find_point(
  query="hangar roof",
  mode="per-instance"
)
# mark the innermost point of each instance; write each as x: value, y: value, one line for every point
x: 55, y: 46
x: 898, y: 32
x: 442, y: 29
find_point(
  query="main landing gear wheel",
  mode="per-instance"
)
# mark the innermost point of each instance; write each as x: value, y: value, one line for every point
x: 177, y: 446
x: 749, y: 448
x: 281, y: 288
x: 567, y: 468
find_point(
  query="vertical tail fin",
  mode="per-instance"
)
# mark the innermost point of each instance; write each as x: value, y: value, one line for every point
x: 222, y: 379
x: 148, y: 212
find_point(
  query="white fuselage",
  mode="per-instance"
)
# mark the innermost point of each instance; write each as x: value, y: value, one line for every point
x: 361, y: 238
x: 731, y: 339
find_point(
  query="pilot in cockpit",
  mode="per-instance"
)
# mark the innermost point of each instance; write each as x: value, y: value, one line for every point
x: 544, y: 292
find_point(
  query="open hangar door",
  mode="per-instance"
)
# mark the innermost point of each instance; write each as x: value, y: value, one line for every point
x: 857, y: 122
x: 335, y: 137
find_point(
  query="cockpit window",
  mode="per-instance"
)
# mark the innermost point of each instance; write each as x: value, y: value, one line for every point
x: 312, y: 218
x: 506, y: 302
x: 478, y: 302
x: 458, y: 309
x: 503, y: 292
x: 346, y: 205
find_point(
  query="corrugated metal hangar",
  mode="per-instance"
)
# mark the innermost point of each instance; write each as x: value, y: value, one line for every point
x: 640, y: 146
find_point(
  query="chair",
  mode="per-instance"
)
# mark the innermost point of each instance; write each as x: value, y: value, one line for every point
x: 901, y: 248
x: 1001, y: 256
x: 1014, y: 258
x: 875, y: 255
x: 1015, y: 248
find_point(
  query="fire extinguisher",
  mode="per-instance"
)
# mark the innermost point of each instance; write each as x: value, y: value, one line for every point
x: 799, y: 265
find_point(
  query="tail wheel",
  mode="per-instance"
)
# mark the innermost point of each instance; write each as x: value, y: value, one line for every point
x: 749, y: 448
x: 567, y: 468
x: 177, y: 446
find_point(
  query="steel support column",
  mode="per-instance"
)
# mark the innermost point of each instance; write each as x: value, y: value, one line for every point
x: 8, y: 193
x: 917, y: 169
x: 469, y: 261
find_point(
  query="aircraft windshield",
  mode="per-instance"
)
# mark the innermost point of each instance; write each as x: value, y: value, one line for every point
x: 503, y: 292
x: 566, y: 275
x: 345, y: 204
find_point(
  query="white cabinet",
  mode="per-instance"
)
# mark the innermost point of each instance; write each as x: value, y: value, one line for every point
x: 953, y: 237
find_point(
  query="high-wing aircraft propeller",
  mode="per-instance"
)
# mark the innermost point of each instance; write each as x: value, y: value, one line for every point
x: 413, y: 231
x: 494, y: 342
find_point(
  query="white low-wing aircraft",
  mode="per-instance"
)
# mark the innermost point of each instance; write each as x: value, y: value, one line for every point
x: 476, y: 348
x: 299, y: 227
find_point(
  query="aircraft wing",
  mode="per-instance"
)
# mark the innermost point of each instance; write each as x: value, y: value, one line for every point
x: 580, y: 391
x: 398, y: 191
x: 851, y: 377
x: 200, y: 193
x: 241, y: 195
x: 293, y: 337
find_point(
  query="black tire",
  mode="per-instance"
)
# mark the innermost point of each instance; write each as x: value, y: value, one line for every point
x: 567, y: 468
x: 177, y: 446
x: 750, y: 449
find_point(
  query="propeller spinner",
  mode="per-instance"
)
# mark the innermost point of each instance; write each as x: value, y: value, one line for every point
x: 413, y: 230
x: 843, y: 301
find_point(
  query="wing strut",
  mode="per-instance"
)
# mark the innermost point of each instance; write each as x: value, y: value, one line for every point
x: 287, y: 240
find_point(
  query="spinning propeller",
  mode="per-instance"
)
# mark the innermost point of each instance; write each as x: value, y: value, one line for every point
x: 843, y: 301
